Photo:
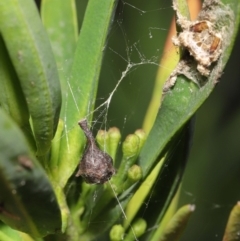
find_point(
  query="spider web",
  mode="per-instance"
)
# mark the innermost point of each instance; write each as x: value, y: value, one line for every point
x: 129, y: 67
x: 126, y: 83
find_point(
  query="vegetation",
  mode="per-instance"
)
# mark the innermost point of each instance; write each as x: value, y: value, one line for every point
x: 51, y: 77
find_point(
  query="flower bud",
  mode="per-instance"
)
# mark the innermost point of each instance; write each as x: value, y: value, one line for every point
x: 102, y: 140
x: 135, y: 173
x: 113, y: 142
x: 138, y: 229
x: 130, y: 146
x: 117, y: 233
x: 142, y: 138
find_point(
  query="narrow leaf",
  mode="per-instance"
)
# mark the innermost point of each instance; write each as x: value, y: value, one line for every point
x: 168, y: 180
x: 32, y: 57
x: 9, y: 234
x: 12, y: 99
x: 233, y: 225
x: 184, y: 99
x: 60, y: 21
x: 83, y: 82
x: 177, y: 224
x: 27, y: 200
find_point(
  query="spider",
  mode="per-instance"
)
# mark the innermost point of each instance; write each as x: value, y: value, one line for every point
x: 202, y: 39
x: 96, y: 166
x: 202, y: 42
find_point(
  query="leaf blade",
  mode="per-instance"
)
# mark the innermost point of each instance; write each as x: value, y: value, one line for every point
x: 31, y: 55
x: 83, y: 82
x: 60, y: 21
x: 27, y: 199
x: 12, y: 99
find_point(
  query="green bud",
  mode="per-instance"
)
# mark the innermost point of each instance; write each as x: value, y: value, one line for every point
x: 130, y: 153
x: 130, y: 146
x: 102, y: 140
x: 142, y: 138
x: 114, y: 134
x: 117, y: 233
x: 113, y: 142
x: 138, y: 229
x: 135, y: 173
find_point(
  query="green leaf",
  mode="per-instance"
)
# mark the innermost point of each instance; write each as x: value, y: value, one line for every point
x: 141, y: 194
x: 233, y: 224
x: 182, y: 102
x: 32, y: 57
x: 177, y: 108
x: 169, y: 179
x: 83, y: 82
x: 60, y: 21
x: 8, y: 234
x: 27, y: 200
x: 177, y: 224
x: 12, y: 99
x: 182, y: 7
x: 137, y: 230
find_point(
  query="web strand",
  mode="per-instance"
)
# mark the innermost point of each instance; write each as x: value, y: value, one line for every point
x: 124, y: 214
